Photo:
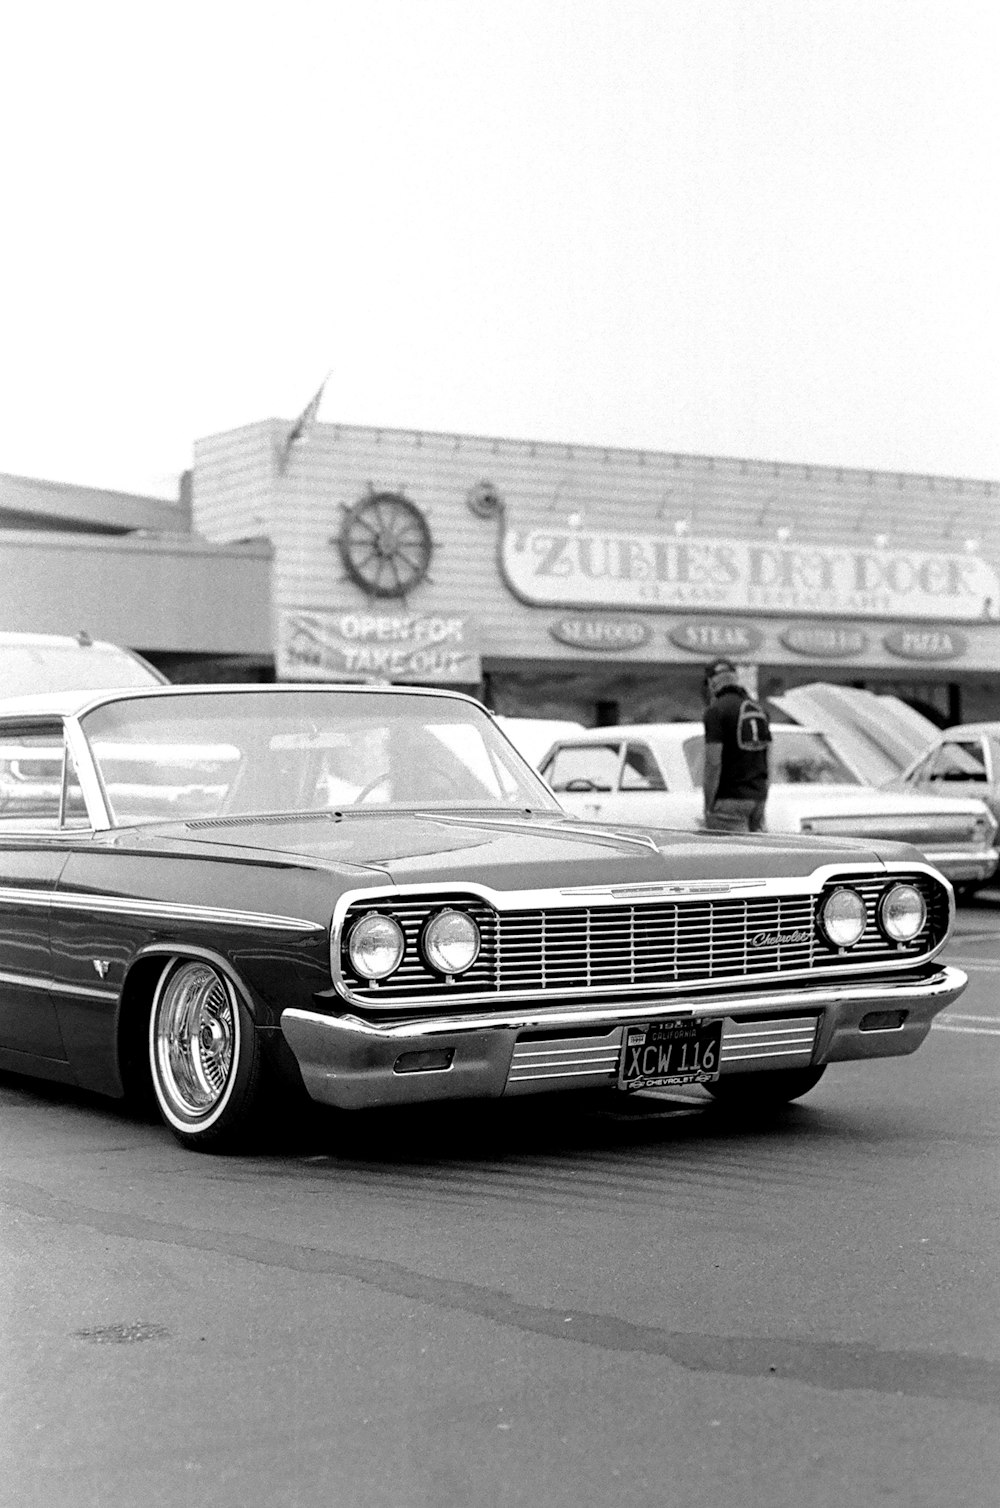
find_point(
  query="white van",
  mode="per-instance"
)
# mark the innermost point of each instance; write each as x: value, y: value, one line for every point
x: 58, y: 662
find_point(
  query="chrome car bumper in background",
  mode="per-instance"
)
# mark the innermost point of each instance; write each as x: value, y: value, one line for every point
x: 352, y: 1063
x: 960, y: 865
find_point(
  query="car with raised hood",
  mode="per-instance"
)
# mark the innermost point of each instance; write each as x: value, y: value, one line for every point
x: 651, y: 773
x: 220, y: 897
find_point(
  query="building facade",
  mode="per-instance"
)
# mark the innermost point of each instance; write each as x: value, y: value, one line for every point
x: 593, y: 583
x: 128, y: 568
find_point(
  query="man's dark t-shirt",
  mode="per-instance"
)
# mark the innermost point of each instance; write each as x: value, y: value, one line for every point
x: 735, y: 721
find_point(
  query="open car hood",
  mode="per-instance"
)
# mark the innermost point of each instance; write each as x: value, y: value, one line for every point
x: 879, y: 736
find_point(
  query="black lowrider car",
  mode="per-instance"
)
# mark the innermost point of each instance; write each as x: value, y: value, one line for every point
x: 208, y: 893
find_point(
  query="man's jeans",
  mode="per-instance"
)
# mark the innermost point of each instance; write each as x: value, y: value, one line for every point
x: 734, y: 816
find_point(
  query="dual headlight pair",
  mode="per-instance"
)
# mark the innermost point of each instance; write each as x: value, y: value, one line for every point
x: 449, y: 943
x: 900, y: 914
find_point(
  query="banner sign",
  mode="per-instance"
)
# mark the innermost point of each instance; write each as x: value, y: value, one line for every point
x: 561, y: 566
x: 323, y: 646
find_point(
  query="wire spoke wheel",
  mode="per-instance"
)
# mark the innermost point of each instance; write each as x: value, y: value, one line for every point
x: 202, y: 1052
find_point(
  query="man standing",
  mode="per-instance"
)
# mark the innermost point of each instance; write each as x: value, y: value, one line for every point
x: 737, y: 736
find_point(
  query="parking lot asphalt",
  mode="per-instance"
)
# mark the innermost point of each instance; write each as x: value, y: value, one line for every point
x: 522, y: 1303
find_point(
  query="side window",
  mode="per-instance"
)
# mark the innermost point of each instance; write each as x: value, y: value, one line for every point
x: 958, y: 761
x: 74, y: 806
x: 640, y: 772
x: 584, y: 767
x: 694, y: 753
x: 31, y: 776
x: 919, y: 771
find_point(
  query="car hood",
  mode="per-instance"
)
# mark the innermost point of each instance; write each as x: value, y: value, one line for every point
x: 879, y: 735
x: 510, y: 852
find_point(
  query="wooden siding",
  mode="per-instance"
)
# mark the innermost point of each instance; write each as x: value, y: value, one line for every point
x: 239, y: 492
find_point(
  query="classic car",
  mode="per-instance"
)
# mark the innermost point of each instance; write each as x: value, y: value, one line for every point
x: 223, y: 897
x: 961, y: 761
x: 651, y: 773
x: 31, y: 663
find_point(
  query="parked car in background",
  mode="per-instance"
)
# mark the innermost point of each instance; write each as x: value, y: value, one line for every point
x: 651, y: 775
x: 32, y: 663
x: 367, y: 896
x: 534, y: 736
x: 961, y: 761
x: 878, y: 734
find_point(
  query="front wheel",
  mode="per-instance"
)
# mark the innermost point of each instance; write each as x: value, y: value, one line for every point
x: 766, y: 1090
x: 204, y: 1057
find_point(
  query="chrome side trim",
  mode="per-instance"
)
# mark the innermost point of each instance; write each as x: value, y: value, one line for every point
x: 107, y: 905
x: 55, y: 986
x: 520, y: 900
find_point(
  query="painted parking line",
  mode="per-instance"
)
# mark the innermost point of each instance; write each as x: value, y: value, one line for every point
x: 965, y: 1021
x: 977, y: 965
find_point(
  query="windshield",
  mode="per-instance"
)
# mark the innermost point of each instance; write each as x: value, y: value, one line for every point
x: 222, y: 754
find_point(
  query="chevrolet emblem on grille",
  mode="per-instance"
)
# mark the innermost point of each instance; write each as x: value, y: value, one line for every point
x: 777, y: 939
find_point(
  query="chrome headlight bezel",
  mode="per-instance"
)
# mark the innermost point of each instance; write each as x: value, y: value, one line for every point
x: 433, y: 943
x: 827, y: 926
x: 884, y: 901
x: 374, y: 922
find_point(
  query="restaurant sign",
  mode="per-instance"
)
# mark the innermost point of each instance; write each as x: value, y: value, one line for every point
x: 918, y: 643
x: 604, y: 634
x: 707, y: 637
x: 559, y: 566
x: 824, y: 641
x: 357, y: 646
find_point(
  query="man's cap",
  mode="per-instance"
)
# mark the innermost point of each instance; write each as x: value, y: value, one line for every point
x: 719, y: 667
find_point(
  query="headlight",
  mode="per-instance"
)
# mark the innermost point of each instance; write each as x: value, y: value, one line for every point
x: 375, y: 946
x: 843, y: 917
x: 450, y: 942
x: 902, y: 913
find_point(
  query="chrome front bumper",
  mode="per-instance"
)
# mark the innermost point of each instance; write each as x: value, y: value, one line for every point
x: 963, y: 864
x: 353, y: 1063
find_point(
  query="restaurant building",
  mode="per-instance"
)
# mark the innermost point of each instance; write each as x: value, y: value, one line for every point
x: 583, y: 582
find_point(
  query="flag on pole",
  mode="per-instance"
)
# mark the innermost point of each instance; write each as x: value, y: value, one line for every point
x: 303, y: 424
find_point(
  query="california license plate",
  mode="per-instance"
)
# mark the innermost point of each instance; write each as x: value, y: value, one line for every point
x: 658, y: 1053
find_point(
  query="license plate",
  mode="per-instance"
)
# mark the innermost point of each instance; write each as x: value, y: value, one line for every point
x: 658, y: 1053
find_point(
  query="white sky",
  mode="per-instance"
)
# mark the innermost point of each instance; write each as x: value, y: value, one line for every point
x: 743, y: 227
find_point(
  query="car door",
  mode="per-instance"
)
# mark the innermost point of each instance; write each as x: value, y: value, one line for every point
x: 957, y: 767
x: 33, y: 824
x: 641, y: 796
x: 584, y: 775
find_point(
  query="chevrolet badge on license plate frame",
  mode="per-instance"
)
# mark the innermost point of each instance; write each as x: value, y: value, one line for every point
x: 682, y: 1050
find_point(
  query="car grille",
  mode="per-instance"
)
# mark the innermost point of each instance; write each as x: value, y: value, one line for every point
x: 644, y: 947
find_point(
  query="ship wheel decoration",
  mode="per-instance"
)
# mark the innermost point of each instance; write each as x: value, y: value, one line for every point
x: 385, y: 544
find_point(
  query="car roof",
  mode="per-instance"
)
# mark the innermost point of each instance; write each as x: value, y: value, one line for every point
x: 75, y: 703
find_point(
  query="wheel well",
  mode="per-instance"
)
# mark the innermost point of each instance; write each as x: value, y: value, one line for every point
x: 133, y: 1025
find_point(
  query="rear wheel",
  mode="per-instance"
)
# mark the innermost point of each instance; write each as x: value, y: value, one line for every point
x: 204, y: 1057
x: 766, y: 1090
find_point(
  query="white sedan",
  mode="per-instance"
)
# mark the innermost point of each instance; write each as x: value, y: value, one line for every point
x: 650, y: 774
